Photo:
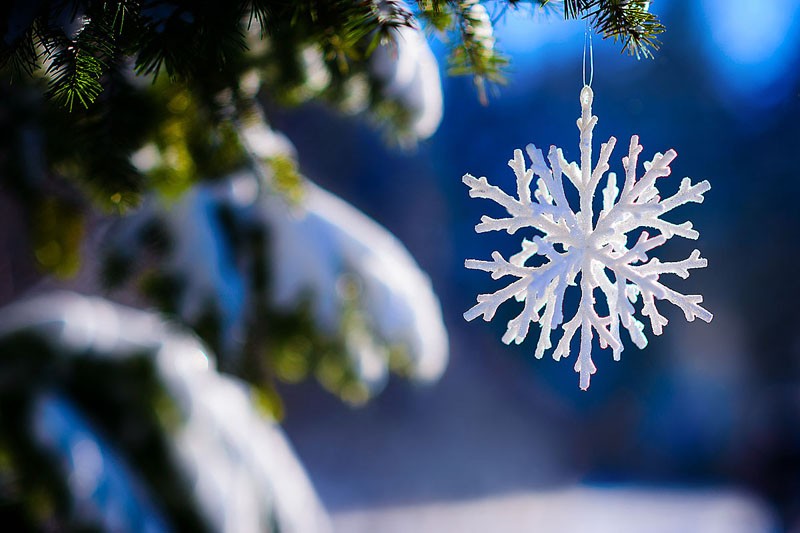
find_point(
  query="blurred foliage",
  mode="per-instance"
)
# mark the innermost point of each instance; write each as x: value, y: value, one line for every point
x: 57, y: 232
x: 286, y: 177
x: 187, y: 142
x: 280, y: 344
x: 135, y: 416
x: 477, y: 55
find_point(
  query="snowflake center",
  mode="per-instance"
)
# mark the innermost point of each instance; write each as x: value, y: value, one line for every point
x: 584, y: 236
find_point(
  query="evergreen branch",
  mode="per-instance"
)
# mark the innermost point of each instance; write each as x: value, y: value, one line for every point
x: 124, y: 10
x: 77, y: 75
x: 345, y: 30
x: 194, y: 38
x: 261, y: 11
x: 628, y: 21
x: 189, y: 40
x: 476, y: 54
x: 434, y: 13
x: 21, y: 54
x: 77, y: 64
x: 385, y: 16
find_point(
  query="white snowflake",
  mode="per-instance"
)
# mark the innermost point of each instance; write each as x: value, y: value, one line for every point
x: 603, y: 249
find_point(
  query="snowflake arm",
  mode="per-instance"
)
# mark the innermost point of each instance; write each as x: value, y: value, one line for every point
x: 584, y: 250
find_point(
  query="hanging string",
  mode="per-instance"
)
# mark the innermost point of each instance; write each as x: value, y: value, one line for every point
x: 587, y: 43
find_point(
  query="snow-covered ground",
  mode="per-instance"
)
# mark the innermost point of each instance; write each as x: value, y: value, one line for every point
x: 576, y: 509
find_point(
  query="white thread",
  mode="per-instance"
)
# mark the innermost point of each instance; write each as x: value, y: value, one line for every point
x: 587, y: 43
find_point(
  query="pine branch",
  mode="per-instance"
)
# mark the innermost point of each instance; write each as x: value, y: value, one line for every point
x: 21, y: 55
x: 76, y: 59
x: 627, y: 21
x: 261, y: 12
x: 189, y: 38
x: 76, y: 65
x: 476, y: 54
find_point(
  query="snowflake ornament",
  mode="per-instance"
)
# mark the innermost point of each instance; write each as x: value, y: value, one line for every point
x: 603, y: 254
